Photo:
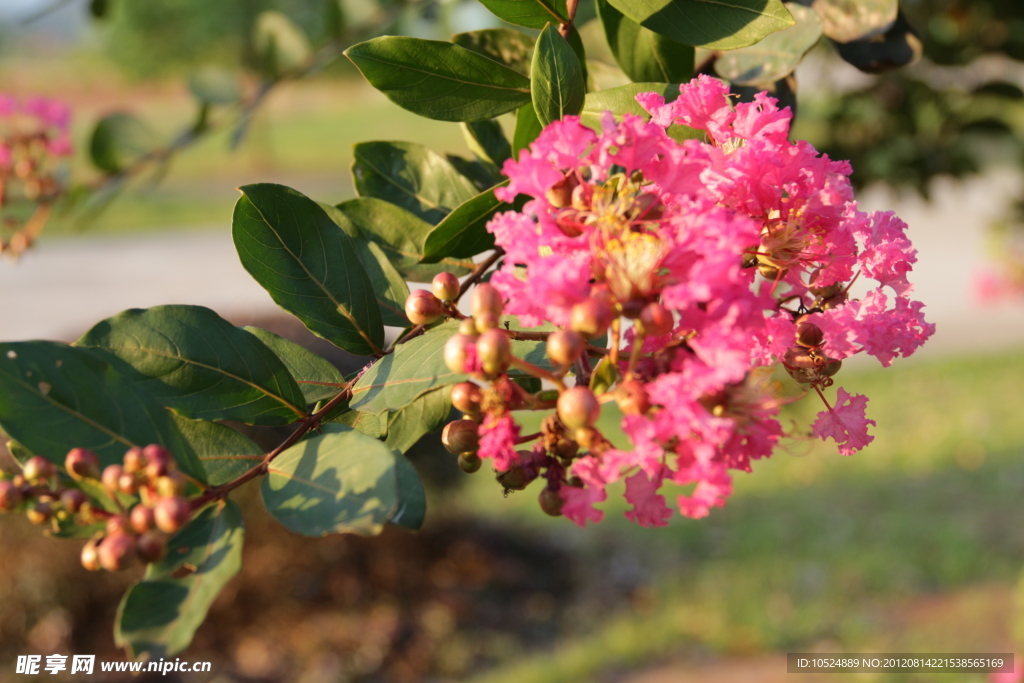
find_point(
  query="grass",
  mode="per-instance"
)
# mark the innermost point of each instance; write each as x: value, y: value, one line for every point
x: 816, y: 550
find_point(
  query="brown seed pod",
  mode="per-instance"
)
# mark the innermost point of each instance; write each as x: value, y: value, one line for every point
x: 564, y: 347
x: 551, y: 501
x: 461, y: 436
x: 445, y: 286
x: 151, y: 547
x: 591, y: 318
x: 422, y: 307
x: 515, y: 478
x: 831, y: 367
x: 170, y: 514
x: 656, y: 319
x: 142, y: 519
x: 82, y: 464
x: 470, y: 462
x: 117, y: 551
x: 466, y: 397
x: 91, y: 556
x: 578, y: 407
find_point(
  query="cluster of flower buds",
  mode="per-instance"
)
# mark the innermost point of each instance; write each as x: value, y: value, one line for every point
x: 705, y: 265
x: 39, y: 492
x: 424, y: 307
x: 34, y: 137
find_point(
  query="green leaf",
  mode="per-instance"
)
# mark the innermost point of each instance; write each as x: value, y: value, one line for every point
x: 484, y: 175
x: 309, y: 266
x: 225, y: 453
x: 388, y: 285
x: 279, y: 43
x: 714, y: 24
x: 845, y: 21
x: 400, y: 235
x: 439, y: 80
x: 622, y: 100
x: 119, y: 140
x: 897, y: 47
x: 373, y: 425
x: 776, y: 56
x: 55, y: 397
x: 605, y: 375
x: 645, y: 56
x: 558, y: 83
x: 463, y: 233
x: 427, y: 414
x: 316, y: 376
x: 214, y: 85
x: 512, y: 48
x: 339, y: 482
x: 412, y: 499
x: 160, y: 614
x: 486, y: 139
x: 528, y: 127
x: 529, y: 13
x: 192, y: 360
x: 411, y: 176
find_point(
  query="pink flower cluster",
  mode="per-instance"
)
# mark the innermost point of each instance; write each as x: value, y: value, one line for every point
x: 37, y: 119
x: 749, y: 240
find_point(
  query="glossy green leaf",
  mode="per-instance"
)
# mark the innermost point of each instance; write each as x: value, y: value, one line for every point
x: 645, y: 56
x: 529, y: 13
x: 622, y: 100
x: 528, y: 127
x: 54, y: 397
x: 400, y: 235
x: 439, y: 80
x: 159, y: 615
x: 389, y: 286
x: 316, y: 376
x: 411, y: 509
x: 310, y: 267
x: 483, y: 174
x: 558, y: 83
x: 512, y: 48
x: 410, y: 176
x: 373, y: 425
x: 119, y: 140
x: 463, y: 233
x: 192, y: 360
x: 845, y: 21
x: 896, y: 48
x: 427, y: 414
x: 486, y: 139
x: 776, y: 56
x: 339, y: 482
x: 714, y: 24
x: 225, y: 453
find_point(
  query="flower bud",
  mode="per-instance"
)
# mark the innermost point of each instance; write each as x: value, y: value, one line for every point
x: 487, y: 301
x: 656, y: 319
x: 809, y: 335
x: 10, y: 496
x: 151, y: 547
x: 118, y: 524
x: 170, y: 514
x: 134, y: 460
x: 591, y: 318
x: 117, y: 551
x: 468, y: 328
x: 470, y: 462
x: 578, y: 407
x: 831, y: 367
x: 82, y: 464
x: 40, y: 512
x: 587, y: 438
x: 111, y: 477
x: 158, y: 460
x: 461, y: 436
x: 171, y: 484
x: 485, y: 321
x: 127, y: 484
x: 466, y: 397
x: 559, y: 195
x: 515, y: 478
x: 91, y: 556
x: 494, y: 351
x: 564, y: 347
x: 142, y: 519
x: 422, y: 307
x: 445, y: 286
x: 769, y: 272
x: 38, y: 468
x: 551, y: 501
x: 631, y: 396
x: 72, y: 500
x: 456, y: 351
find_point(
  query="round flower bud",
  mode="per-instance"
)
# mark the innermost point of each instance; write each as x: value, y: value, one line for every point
x: 142, y: 519
x: 456, y: 351
x: 470, y: 462
x: 494, y: 351
x: 118, y: 524
x: 134, y: 460
x: 831, y: 367
x: 151, y: 547
x: 422, y: 307
x: 487, y: 301
x: 461, y: 436
x: 82, y: 464
x: 38, y: 468
x: 171, y: 514
x: 631, y: 396
x: 72, y: 500
x: 127, y: 484
x: 40, y: 512
x: 111, y: 477
x: 656, y: 319
x: 468, y: 328
x: 117, y: 551
x: 91, y: 556
x: 485, y: 321
x: 551, y: 502
x: 587, y: 438
x: 171, y: 484
x: 514, y: 478
x: 445, y: 286
x: 578, y: 407
x: 10, y: 496
x: 809, y: 335
x: 466, y: 397
x: 158, y: 460
x: 564, y: 347
x: 591, y: 318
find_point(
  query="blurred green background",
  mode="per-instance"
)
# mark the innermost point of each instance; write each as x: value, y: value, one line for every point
x: 913, y: 545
